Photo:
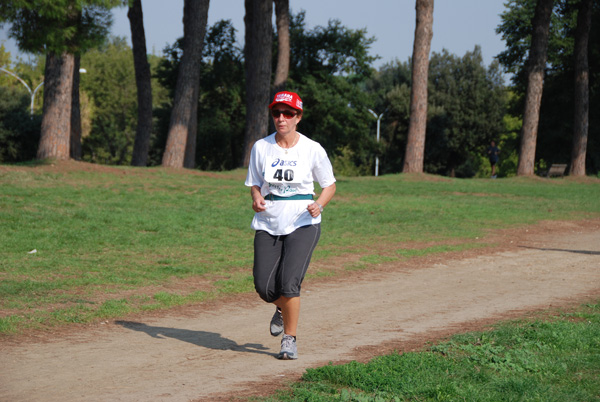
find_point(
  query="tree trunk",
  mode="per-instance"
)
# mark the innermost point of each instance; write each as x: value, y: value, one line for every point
x: 282, y: 13
x: 141, y: 145
x: 189, y: 160
x: 76, y: 113
x: 185, y: 104
x: 56, y: 116
x: 535, y: 85
x: 258, y: 71
x: 582, y: 92
x: 415, y: 145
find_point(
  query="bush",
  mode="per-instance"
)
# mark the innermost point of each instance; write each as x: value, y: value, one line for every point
x: 19, y: 132
x: 345, y: 164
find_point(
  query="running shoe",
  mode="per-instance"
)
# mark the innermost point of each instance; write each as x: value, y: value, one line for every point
x: 277, y: 323
x: 289, y: 350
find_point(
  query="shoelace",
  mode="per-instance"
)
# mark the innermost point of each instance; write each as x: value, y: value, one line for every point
x: 279, y: 319
x: 287, y: 341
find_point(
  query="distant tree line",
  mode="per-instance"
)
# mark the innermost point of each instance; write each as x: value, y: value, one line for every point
x: 568, y: 130
x: 202, y: 103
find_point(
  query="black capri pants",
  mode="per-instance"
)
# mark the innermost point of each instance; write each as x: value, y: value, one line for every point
x: 280, y: 262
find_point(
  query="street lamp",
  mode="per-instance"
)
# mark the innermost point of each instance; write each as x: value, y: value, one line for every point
x: 32, y: 93
x: 378, y: 126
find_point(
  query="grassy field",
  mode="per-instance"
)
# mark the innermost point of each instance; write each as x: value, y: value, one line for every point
x: 554, y: 358
x: 81, y: 243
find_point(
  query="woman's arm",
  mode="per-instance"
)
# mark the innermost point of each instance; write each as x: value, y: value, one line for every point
x: 326, y: 195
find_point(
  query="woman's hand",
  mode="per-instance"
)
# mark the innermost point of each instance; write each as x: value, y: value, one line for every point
x: 314, y: 209
x: 258, y: 205
x: 258, y: 201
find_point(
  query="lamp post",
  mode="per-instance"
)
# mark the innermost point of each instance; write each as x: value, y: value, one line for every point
x: 378, y: 126
x: 32, y: 93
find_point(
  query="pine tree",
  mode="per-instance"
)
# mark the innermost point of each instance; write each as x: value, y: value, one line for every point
x: 61, y: 29
x: 415, y: 146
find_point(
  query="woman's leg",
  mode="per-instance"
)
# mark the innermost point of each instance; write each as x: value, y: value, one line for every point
x: 290, y: 310
x: 267, y: 257
x: 297, y: 252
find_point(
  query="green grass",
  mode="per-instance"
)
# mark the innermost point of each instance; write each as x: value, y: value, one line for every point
x: 115, y: 241
x: 551, y: 359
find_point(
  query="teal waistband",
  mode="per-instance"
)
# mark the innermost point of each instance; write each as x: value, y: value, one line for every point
x: 272, y: 197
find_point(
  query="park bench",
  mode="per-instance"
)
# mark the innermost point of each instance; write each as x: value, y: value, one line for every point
x: 557, y: 169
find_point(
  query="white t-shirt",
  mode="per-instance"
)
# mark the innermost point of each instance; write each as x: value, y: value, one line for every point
x: 286, y: 174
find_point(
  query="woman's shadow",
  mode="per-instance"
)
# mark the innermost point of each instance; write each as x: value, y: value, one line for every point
x: 209, y: 340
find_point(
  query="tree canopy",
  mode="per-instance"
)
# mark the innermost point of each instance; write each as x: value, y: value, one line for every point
x: 466, y: 106
x: 467, y: 101
x: 42, y: 26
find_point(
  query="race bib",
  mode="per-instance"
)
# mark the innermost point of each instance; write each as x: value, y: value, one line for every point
x: 284, y: 171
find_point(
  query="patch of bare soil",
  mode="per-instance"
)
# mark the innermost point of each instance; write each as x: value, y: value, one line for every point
x: 223, y: 351
x: 73, y: 166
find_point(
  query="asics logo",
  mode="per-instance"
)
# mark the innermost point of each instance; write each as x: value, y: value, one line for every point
x: 282, y: 163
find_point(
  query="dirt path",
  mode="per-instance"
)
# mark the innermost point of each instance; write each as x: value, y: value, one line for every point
x: 218, y: 352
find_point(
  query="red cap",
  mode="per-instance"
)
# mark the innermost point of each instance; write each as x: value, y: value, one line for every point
x: 288, y: 98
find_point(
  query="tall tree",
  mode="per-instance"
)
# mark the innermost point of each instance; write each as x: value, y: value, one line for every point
x: 415, y: 146
x: 535, y: 84
x: 221, y: 100
x: 56, y: 115
x: 143, y: 81
x: 259, y: 37
x: 185, y: 105
x: 282, y: 18
x: 582, y: 95
x: 61, y: 28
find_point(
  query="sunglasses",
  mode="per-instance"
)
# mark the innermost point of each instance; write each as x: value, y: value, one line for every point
x: 288, y: 114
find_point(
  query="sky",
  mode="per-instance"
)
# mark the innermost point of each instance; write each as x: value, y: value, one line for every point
x: 458, y: 25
